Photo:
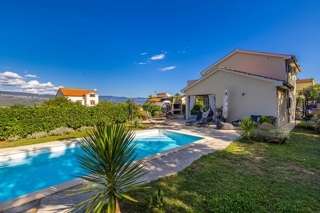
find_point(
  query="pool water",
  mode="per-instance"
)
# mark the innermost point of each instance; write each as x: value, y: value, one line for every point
x: 35, y: 170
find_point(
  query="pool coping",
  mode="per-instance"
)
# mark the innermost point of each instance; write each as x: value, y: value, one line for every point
x: 37, y: 195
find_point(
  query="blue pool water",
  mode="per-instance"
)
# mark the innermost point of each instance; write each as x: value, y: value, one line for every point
x: 31, y: 172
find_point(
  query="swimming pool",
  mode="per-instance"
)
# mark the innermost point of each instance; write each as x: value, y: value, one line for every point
x: 30, y: 171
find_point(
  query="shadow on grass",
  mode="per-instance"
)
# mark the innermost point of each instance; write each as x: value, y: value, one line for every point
x: 247, y: 176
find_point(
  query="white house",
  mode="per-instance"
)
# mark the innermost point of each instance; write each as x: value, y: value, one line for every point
x: 84, y: 96
x: 258, y: 83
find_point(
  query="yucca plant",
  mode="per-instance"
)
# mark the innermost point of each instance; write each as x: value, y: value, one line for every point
x: 110, y: 160
x: 247, y: 128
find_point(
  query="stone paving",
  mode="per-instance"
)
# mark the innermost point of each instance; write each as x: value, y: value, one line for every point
x: 159, y: 167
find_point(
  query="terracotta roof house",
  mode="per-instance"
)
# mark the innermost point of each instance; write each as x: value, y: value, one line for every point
x: 304, y: 83
x: 258, y: 83
x: 86, y: 97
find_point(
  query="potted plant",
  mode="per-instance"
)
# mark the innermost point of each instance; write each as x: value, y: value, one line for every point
x: 156, y: 114
x: 144, y: 117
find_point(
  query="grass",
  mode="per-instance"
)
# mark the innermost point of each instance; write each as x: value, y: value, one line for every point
x: 75, y: 134
x: 247, y: 176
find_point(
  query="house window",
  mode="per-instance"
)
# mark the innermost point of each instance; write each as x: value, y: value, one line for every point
x: 92, y: 103
x: 92, y: 95
x: 298, y: 85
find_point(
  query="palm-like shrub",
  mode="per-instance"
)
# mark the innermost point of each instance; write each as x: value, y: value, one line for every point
x: 110, y: 160
x: 247, y: 128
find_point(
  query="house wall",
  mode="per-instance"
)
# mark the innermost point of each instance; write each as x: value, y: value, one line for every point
x: 59, y: 93
x: 301, y: 86
x: 88, y: 99
x: 76, y: 99
x: 273, y: 67
x: 260, y: 97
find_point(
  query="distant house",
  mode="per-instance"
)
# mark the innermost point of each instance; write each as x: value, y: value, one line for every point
x: 258, y: 83
x: 304, y: 83
x: 84, y: 96
x: 163, y: 95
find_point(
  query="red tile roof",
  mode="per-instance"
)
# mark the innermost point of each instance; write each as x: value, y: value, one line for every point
x: 305, y: 80
x: 75, y: 92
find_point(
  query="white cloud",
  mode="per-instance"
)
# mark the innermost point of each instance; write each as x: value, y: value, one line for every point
x: 167, y: 68
x: 30, y: 76
x: 142, y: 63
x: 144, y: 53
x: 11, y: 79
x: 158, y: 57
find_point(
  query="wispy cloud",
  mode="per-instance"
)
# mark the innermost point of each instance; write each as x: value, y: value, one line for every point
x: 30, y: 76
x: 158, y: 57
x: 14, y: 80
x: 183, y: 51
x: 144, y: 53
x: 167, y: 68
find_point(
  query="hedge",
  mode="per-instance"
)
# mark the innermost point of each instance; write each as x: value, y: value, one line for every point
x: 20, y: 120
x: 194, y: 111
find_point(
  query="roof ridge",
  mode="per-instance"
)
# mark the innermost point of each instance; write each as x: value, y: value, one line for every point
x: 254, y: 51
x: 74, y: 88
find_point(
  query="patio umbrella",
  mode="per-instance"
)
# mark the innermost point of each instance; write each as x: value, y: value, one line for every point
x: 225, y: 105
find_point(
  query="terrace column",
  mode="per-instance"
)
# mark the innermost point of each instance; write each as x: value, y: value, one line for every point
x: 187, y: 108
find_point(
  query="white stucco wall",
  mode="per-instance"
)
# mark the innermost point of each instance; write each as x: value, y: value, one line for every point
x: 76, y: 98
x: 273, y: 67
x: 88, y: 99
x: 59, y: 93
x: 260, y: 97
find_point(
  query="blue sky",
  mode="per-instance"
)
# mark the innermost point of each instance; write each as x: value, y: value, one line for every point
x: 133, y: 48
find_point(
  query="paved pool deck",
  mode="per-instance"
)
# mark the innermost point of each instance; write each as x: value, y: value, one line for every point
x: 157, y: 166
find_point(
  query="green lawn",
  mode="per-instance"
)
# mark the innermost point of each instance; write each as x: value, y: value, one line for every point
x: 245, y: 177
x: 75, y: 134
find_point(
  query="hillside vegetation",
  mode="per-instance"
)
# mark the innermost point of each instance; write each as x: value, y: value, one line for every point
x: 8, y: 101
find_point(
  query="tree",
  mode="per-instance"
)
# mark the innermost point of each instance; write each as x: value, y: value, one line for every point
x: 59, y: 101
x: 109, y: 159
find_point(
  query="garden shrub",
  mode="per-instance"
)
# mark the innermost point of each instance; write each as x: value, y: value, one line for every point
x: 13, y: 138
x: 317, y: 123
x: 265, y: 119
x: 37, y: 135
x: 136, y: 123
x: 61, y: 131
x: 266, y: 132
x: 247, y: 128
x: 82, y: 129
x: 194, y: 111
x: 152, y: 108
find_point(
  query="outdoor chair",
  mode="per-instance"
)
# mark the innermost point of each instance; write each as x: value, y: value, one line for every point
x: 205, y: 123
x: 193, y: 122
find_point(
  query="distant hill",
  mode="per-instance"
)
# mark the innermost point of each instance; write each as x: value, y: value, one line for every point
x: 8, y: 98
x: 118, y: 99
